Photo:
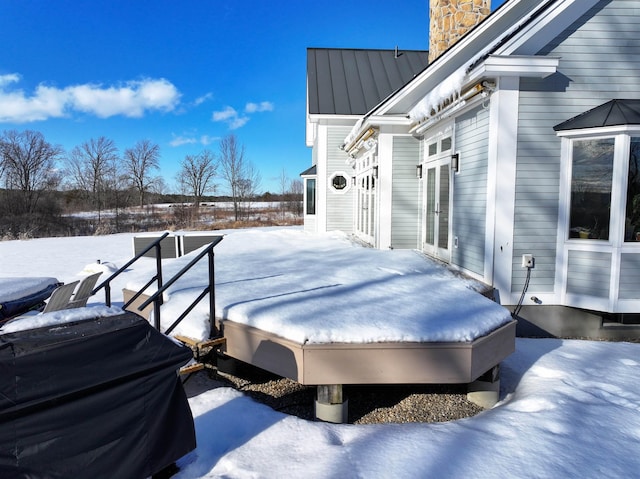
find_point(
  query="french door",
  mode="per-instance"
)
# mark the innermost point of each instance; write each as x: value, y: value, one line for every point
x: 366, y: 206
x: 436, y: 209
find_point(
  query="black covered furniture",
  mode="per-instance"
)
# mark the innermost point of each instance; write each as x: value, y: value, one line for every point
x: 94, y: 398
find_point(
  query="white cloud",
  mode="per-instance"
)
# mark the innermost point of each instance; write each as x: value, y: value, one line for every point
x: 189, y: 139
x: 227, y: 114
x: 182, y: 140
x: 46, y: 103
x: 258, y: 107
x: 231, y: 117
x: 9, y: 78
x: 131, y: 99
x: 207, y: 140
x: 201, y: 99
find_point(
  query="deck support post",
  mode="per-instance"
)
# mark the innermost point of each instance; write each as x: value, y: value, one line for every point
x: 330, y: 404
x: 485, y: 391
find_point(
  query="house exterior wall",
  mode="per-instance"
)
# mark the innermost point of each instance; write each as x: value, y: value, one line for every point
x: 339, y: 205
x: 588, y: 75
x: 470, y: 190
x: 406, y: 202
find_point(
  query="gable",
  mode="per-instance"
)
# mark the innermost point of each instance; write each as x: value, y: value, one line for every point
x: 352, y: 82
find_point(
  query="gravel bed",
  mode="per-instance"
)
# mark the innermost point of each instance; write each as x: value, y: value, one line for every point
x: 368, y: 404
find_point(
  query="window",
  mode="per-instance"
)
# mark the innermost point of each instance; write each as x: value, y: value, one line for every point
x: 310, y: 207
x: 433, y: 149
x: 604, y: 201
x: 632, y: 211
x: 591, y: 182
x: 339, y: 182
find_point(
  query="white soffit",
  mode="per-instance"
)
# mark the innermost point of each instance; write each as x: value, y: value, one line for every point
x: 515, y: 66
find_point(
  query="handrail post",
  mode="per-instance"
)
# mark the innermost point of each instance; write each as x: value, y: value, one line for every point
x: 107, y: 294
x: 156, y: 298
x: 156, y: 312
x: 159, y: 269
x: 212, y: 296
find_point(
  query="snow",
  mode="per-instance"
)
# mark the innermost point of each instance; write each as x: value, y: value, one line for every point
x: 445, y: 90
x: 19, y: 287
x: 306, y: 288
x: 568, y: 408
x: 58, y: 317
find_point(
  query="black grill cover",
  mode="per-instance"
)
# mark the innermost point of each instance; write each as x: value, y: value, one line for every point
x: 96, y: 398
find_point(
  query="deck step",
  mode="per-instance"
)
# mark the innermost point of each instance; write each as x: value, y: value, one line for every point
x: 195, y: 344
x: 191, y: 368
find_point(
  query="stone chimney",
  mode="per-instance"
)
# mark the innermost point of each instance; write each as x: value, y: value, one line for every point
x: 451, y: 19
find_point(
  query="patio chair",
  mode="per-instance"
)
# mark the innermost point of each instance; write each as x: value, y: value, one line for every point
x: 82, y: 293
x: 60, y: 297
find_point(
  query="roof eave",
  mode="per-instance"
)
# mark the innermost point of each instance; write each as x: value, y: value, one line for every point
x: 515, y: 66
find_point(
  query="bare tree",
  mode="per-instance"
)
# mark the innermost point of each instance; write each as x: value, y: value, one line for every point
x: 296, y: 191
x: 139, y: 163
x: 284, y: 183
x: 90, y: 166
x: 242, y: 179
x: 196, y: 174
x: 28, y: 165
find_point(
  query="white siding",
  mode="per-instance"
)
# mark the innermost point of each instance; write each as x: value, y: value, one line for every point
x: 629, y: 276
x: 339, y: 205
x: 589, y: 273
x: 470, y: 190
x: 599, y: 61
x: 406, y: 201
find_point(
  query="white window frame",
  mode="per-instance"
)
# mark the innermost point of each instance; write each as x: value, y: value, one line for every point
x: 615, y: 244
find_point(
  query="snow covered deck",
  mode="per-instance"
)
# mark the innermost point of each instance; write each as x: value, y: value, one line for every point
x: 370, y: 363
x: 320, y: 309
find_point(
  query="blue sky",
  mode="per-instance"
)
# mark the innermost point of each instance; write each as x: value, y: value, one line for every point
x: 183, y: 73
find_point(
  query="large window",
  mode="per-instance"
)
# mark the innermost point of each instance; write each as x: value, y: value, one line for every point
x: 310, y: 207
x: 605, y: 189
x: 632, y: 217
x: 591, y: 181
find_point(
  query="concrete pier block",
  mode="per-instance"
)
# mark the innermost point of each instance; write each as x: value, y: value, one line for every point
x: 485, y: 391
x: 330, y: 405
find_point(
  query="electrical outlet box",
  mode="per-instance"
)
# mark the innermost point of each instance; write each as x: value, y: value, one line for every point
x: 528, y: 261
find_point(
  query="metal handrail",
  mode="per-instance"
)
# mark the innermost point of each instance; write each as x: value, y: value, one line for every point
x: 156, y: 298
x: 106, y: 284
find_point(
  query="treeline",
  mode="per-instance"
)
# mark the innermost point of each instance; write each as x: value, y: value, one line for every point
x: 43, y: 187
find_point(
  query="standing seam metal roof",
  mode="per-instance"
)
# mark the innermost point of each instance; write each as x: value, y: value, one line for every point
x: 352, y: 82
x: 612, y: 113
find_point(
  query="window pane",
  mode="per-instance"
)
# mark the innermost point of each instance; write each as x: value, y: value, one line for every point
x: 339, y: 182
x: 632, y: 220
x: 433, y: 149
x: 591, y: 180
x: 311, y: 197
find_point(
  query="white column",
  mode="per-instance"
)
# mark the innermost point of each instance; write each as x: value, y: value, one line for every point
x: 384, y: 189
x: 501, y: 185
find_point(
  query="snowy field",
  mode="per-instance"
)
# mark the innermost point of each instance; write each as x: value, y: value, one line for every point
x: 568, y: 408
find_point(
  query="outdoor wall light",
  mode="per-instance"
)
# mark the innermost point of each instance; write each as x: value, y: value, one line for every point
x: 455, y: 162
x: 419, y: 171
x: 375, y: 172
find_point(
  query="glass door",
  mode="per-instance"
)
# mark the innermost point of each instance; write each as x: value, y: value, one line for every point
x: 437, y: 189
